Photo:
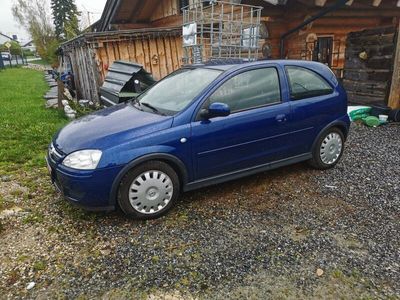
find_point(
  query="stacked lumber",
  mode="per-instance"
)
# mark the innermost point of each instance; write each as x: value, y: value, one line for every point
x: 368, y: 65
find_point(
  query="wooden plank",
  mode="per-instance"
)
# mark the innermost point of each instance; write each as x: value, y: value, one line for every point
x: 97, y: 81
x: 123, y: 50
x: 110, y: 53
x: 179, y: 49
x: 131, y: 51
x: 155, y: 61
x: 168, y: 54
x: 174, y: 53
x: 394, y: 95
x: 139, y: 52
x: 103, y: 59
x: 175, y: 7
x: 147, y: 56
x: 76, y: 71
x: 116, y: 50
x: 170, y: 7
x: 162, y: 57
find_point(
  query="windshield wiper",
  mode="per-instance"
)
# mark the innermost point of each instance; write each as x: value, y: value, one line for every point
x: 151, y: 107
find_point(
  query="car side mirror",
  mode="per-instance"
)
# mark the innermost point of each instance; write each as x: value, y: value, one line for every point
x: 216, y: 109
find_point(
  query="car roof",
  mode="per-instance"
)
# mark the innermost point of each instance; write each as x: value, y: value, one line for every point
x: 283, y: 62
x: 228, y: 67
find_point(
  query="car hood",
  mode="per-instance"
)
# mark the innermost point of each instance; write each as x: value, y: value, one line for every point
x: 108, y: 127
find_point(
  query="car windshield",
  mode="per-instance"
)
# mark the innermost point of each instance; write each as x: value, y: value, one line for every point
x: 176, y: 91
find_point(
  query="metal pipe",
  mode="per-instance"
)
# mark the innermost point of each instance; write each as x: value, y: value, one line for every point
x: 322, y: 13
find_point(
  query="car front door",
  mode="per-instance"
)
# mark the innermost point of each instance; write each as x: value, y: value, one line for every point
x: 255, y: 133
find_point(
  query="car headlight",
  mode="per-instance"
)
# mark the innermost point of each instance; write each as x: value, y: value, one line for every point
x: 83, y: 160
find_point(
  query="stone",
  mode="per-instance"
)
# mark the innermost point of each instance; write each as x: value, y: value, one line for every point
x: 52, y: 103
x: 10, y: 212
x: 69, y: 110
x: 67, y: 94
x: 84, y: 103
x: 50, y: 96
x: 30, y: 285
x: 71, y: 116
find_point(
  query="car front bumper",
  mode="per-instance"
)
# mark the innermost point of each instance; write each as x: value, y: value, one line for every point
x: 88, y: 189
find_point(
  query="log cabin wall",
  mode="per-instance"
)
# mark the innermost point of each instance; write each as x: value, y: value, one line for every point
x: 368, y: 65
x: 299, y: 45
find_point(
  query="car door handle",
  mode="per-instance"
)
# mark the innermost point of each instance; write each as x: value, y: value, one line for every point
x: 281, y: 118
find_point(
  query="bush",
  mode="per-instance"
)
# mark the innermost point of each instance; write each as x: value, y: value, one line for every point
x: 15, y: 48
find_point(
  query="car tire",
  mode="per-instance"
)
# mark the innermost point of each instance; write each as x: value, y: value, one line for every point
x: 149, y: 190
x: 328, y: 150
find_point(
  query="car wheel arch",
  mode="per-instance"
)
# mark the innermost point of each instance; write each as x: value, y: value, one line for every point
x: 337, y: 124
x: 171, y: 160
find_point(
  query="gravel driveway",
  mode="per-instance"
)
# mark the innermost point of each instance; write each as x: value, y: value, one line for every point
x: 289, y: 233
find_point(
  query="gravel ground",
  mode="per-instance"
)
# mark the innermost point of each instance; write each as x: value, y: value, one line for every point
x: 289, y: 233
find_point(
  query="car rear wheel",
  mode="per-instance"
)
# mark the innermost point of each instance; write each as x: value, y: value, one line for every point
x: 149, y: 190
x: 328, y: 150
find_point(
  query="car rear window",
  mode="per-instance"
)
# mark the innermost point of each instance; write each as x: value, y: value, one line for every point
x: 305, y: 83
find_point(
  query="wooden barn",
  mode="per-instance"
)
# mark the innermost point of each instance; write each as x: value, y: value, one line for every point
x: 149, y: 33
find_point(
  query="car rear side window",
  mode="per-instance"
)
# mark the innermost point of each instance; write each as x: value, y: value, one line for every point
x: 305, y: 83
x: 249, y: 89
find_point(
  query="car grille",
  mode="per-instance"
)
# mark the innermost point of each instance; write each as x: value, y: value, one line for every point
x: 54, y: 154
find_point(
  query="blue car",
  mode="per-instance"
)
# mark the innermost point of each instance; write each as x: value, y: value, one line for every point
x: 199, y: 126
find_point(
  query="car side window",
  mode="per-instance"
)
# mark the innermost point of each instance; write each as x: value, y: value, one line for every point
x: 249, y: 89
x: 305, y: 83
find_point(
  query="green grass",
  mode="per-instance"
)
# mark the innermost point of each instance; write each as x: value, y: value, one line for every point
x: 40, y: 62
x: 26, y: 126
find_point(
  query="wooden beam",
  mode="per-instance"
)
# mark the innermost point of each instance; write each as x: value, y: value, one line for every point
x: 376, y: 3
x: 175, y: 20
x: 394, y: 96
x: 320, y: 3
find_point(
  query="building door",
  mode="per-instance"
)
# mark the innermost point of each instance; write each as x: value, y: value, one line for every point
x: 323, y: 50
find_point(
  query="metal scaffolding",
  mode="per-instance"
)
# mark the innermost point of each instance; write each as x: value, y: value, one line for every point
x: 220, y: 30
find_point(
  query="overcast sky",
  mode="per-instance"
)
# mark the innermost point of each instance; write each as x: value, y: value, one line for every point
x: 9, y: 26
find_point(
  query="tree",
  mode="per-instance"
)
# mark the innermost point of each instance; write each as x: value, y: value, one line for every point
x: 15, y: 48
x: 34, y: 16
x: 65, y: 15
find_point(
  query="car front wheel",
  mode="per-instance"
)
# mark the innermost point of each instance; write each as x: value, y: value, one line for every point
x: 149, y: 190
x: 328, y: 149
